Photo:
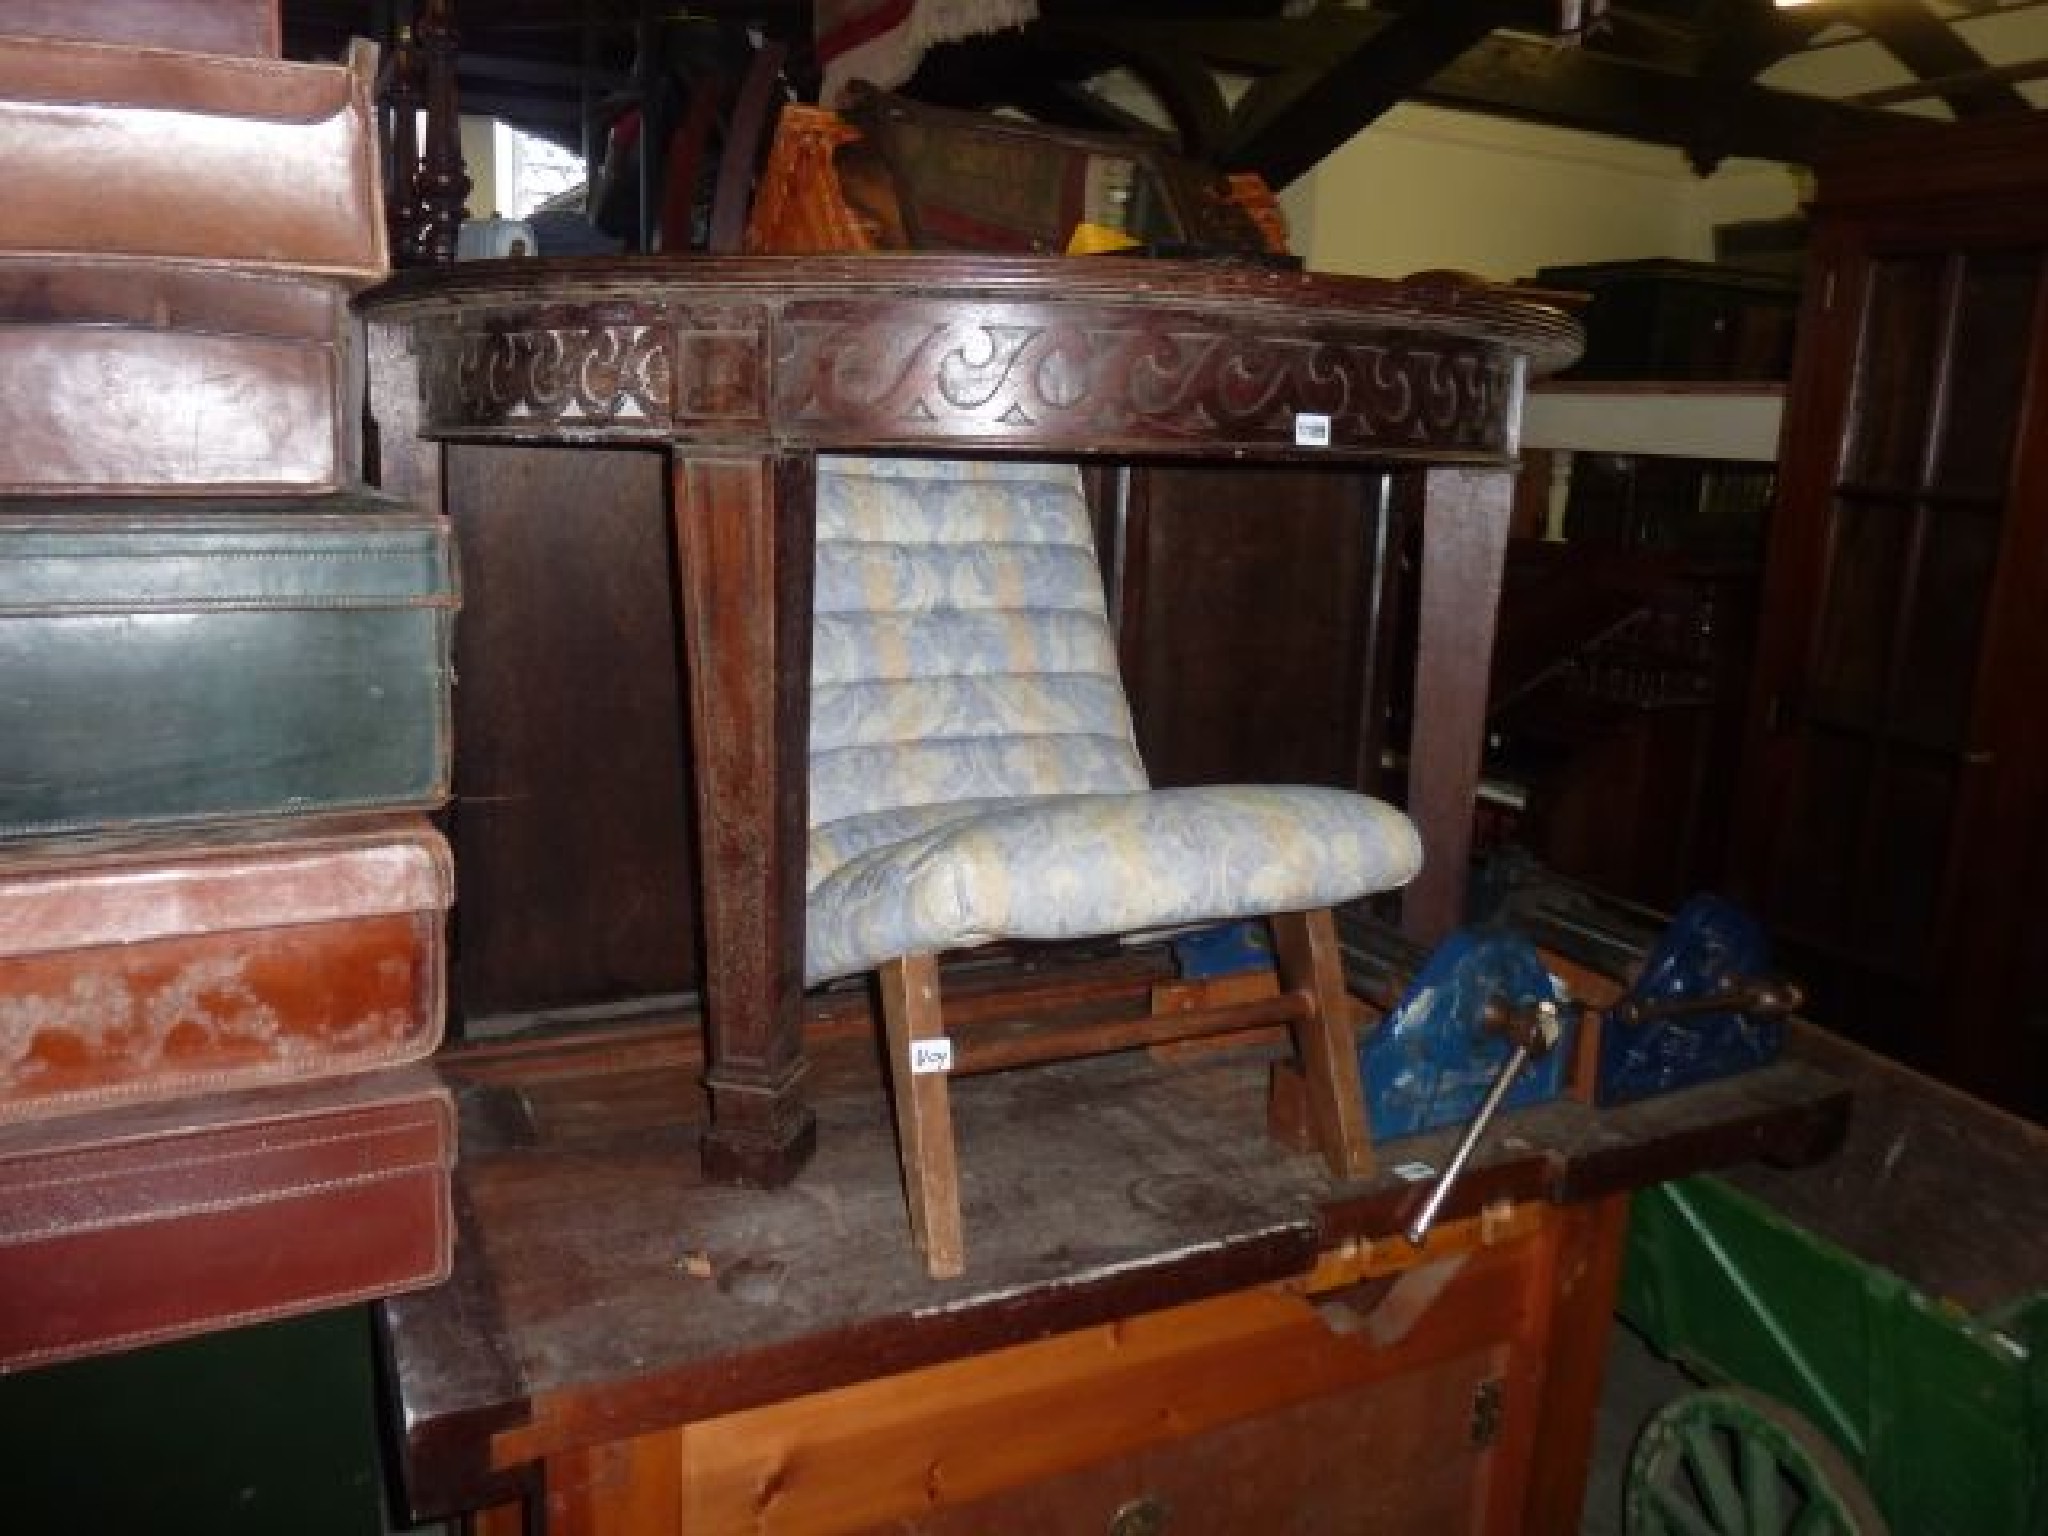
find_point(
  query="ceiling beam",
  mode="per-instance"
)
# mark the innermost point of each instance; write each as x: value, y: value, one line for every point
x: 1935, y: 52
x: 1319, y: 79
x: 1161, y: 57
x: 1743, y: 38
x: 1255, y: 47
x: 1192, y: 98
x: 1286, y: 124
x: 1046, y: 67
x: 1574, y: 88
x: 1921, y: 90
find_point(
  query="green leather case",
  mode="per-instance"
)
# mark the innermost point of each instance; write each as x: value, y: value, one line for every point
x: 174, y: 661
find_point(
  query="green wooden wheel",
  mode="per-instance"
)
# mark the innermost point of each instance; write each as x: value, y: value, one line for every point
x: 1731, y: 1462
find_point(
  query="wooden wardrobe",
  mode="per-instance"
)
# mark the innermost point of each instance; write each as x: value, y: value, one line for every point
x: 1894, y: 812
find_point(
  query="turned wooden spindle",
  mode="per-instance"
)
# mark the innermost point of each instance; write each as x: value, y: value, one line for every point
x: 443, y: 186
x: 402, y: 179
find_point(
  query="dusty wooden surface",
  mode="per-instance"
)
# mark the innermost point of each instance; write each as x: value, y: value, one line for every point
x: 603, y: 1289
x: 1940, y: 1188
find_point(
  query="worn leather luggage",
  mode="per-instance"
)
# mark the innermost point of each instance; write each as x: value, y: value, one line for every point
x: 248, y: 27
x: 155, y: 1221
x: 123, y: 151
x: 143, y: 376
x: 165, y: 663
x: 138, y: 968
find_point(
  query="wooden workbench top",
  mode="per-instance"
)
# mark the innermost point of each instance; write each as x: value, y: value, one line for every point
x: 602, y: 1288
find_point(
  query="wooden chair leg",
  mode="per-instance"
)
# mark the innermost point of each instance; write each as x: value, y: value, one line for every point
x: 924, y: 1114
x: 1305, y: 948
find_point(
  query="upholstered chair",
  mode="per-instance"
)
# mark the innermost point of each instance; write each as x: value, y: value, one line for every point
x: 974, y: 777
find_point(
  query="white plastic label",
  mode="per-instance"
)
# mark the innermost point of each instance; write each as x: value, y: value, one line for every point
x: 1311, y: 429
x: 1414, y: 1173
x: 935, y: 1055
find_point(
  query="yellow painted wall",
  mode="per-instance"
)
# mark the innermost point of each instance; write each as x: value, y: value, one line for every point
x: 1425, y: 188
x: 479, y: 157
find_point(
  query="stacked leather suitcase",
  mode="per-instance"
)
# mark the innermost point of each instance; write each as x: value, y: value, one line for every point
x: 223, y: 699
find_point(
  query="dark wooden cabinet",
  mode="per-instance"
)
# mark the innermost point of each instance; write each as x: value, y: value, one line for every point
x: 1659, y: 319
x: 1255, y: 622
x: 571, y: 820
x: 1895, y: 803
x: 1619, y: 685
x: 1622, y: 668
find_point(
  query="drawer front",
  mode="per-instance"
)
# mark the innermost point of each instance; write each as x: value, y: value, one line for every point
x: 1410, y: 1455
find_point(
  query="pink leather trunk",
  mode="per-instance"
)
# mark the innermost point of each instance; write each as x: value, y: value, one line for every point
x: 161, y: 968
x: 249, y: 27
x: 114, y: 150
x: 158, y: 1221
x: 127, y: 376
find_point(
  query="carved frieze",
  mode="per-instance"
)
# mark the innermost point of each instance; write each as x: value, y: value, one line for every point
x: 560, y: 371
x: 908, y: 370
x: 991, y: 373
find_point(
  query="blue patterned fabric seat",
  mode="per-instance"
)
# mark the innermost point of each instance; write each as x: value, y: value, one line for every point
x: 973, y: 770
x: 974, y: 777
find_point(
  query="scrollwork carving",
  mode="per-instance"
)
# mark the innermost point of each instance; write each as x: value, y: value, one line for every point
x: 925, y: 371
x: 895, y: 369
x: 618, y: 375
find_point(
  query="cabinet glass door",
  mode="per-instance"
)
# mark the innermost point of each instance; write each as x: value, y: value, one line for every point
x: 1876, y: 709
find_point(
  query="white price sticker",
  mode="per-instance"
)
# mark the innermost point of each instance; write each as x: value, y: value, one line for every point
x: 1414, y: 1173
x: 1311, y: 429
x: 934, y: 1055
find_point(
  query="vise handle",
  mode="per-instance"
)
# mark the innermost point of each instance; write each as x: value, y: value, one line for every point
x: 1763, y: 995
x: 1533, y: 1030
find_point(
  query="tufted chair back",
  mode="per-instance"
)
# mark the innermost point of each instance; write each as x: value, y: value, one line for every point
x: 961, y: 652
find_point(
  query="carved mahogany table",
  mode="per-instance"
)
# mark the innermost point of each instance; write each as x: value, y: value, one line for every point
x: 746, y: 368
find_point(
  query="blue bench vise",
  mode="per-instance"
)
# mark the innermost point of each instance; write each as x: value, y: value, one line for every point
x: 1439, y: 1050
x: 1480, y: 1025
x: 1703, y: 1006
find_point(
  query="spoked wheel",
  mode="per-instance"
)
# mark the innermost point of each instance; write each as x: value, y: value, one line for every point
x: 1731, y: 1462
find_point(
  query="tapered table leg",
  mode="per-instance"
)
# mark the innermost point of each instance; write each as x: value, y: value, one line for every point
x: 1464, y: 544
x: 745, y: 531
